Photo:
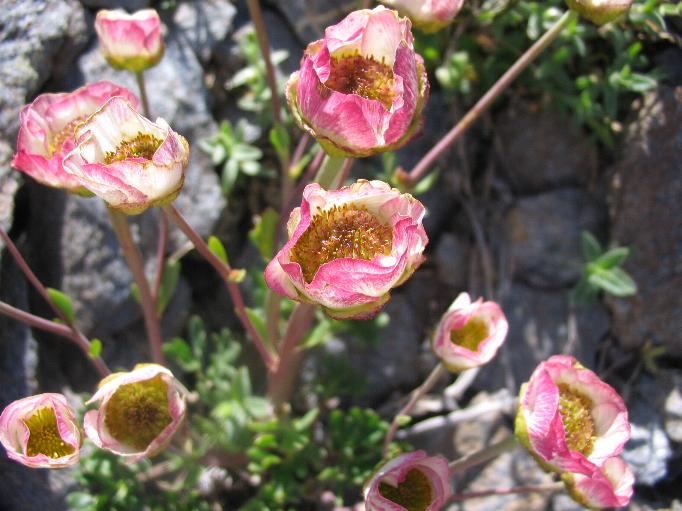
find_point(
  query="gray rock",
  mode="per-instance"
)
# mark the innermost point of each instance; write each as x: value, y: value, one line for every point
x: 673, y: 412
x: 203, y: 24
x: 646, y: 191
x: 309, y: 18
x: 129, y: 5
x: 452, y: 260
x: 10, y: 181
x: 32, y: 34
x: 544, y: 232
x: 541, y: 152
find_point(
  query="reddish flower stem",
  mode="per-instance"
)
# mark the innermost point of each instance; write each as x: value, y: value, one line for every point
x: 484, y: 103
x: 417, y: 393
x: 492, y: 451
x: 542, y: 488
x: 119, y: 222
x: 75, y: 335
x: 160, y: 256
x: 225, y: 271
x: 139, y: 76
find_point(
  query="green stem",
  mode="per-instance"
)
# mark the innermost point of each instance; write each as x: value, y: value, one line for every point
x: 482, y: 105
x: 331, y: 167
x: 143, y: 93
x: 119, y: 221
x: 493, y: 451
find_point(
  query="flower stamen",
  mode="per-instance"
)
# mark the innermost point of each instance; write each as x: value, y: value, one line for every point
x: 44, y: 437
x: 143, y: 145
x: 363, y: 76
x: 576, y: 414
x: 68, y: 132
x: 414, y: 493
x: 470, y: 334
x: 345, y: 231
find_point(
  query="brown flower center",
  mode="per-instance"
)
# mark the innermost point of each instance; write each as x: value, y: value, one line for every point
x: 576, y: 414
x: 470, y: 334
x: 363, y: 76
x: 345, y: 231
x: 414, y: 493
x: 44, y: 437
x: 143, y: 145
x: 68, y: 132
x: 138, y: 412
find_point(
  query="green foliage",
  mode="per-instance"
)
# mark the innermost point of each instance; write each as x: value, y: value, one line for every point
x: 602, y: 271
x: 591, y: 73
x: 63, y: 303
x: 95, y: 348
x: 263, y: 233
x: 389, y: 175
x: 217, y: 248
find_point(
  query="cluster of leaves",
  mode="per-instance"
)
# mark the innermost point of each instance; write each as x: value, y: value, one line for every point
x: 591, y: 73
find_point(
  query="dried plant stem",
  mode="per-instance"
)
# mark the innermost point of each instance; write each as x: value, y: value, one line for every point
x: 74, y: 334
x: 541, y: 488
x: 119, y: 222
x: 492, y: 451
x: 484, y: 103
x: 225, y: 272
x: 139, y: 76
x: 417, y: 393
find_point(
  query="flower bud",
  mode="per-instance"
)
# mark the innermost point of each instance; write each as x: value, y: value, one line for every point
x: 569, y: 419
x: 47, y: 129
x: 127, y: 160
x: 41, y: 432
x: 599, y: 11
x: 138, y: 411
x: 361, y: 90
x: 469, y: 334
x: 409, y: 481
x: 349, y: 247
x: 130, y: 41
x: 428, y: 15
x: 609, y: 486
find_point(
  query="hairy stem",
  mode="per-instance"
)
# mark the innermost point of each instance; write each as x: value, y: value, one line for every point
x: 493, y: 451
x: 417, y: 393
x: 484, y: 103
x: 540, y: 488
x: 119, y: 222
x: 225, y: 272
x: 139, y: 76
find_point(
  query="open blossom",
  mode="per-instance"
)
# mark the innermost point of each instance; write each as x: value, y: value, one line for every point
x: 361, y: 90
x: 429, y: 15
x: 47, y: 128
x: 41, y: 432
x: 609, y: 486
x: 129, y: 161
x: 409, y: 481
x: 138, y: 412
x: 569, y: 419
x: 600, y: 11
x: 349, y: 247
x: 130, y: 41
x: 469, y: 334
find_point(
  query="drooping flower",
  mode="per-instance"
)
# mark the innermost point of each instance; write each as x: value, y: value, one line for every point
x: 361, y: 90
x: 349, y: 247
x: 428, y: 15
x: 138, y: 412
x: 47, y: 130
x: 130, y: 41
x: 41, y: 432
x: 599, y: 11
x: 609, y: 486
x: 129, y: 161
x: 569, y: 419
x: 412, y: 481
x: 469, y: 334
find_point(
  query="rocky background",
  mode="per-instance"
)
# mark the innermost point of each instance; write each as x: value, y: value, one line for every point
x: 514, y: 235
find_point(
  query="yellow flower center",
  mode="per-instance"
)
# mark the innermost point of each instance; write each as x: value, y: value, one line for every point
x: 138, y: 412
x: 44, y: 437
x: 366, y: 77
x: 414, y: 493
x: 345, y: 231
x: 576, y: 415
x: 470, y: 335
x: 68, y: 132
x: 143, y: 145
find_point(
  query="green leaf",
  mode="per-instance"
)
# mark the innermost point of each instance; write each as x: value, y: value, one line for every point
x: 181, y: 353
x: 217, y: 248
x: 279, y: 138
x: 614, y: 281
x: 426, y: 183
x: 317, y: 335
x: 169, y: 283
x: 63, y: 303
x: 256, y: 317
x: 612, y: 258
x: 245, y: 152
x: 591, y: 247
x: 263, y: 233
x: 230, y: 175
x: 135, y: 292
x: 95, y: 348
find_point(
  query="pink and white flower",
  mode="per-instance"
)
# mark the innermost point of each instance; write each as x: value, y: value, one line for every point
x: 130, y: 41
x: 41, y: 432
x: 429, y: 15
x: 47, y: 128
x: 600, y: 11
x: 127, y: 160
x: 469, y: 334
x: 409, y: 481
x: 569, y: 419
x: 361, y: 90
x: 138, y: 412
x: 609, y: 486
x: 348, y: 248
